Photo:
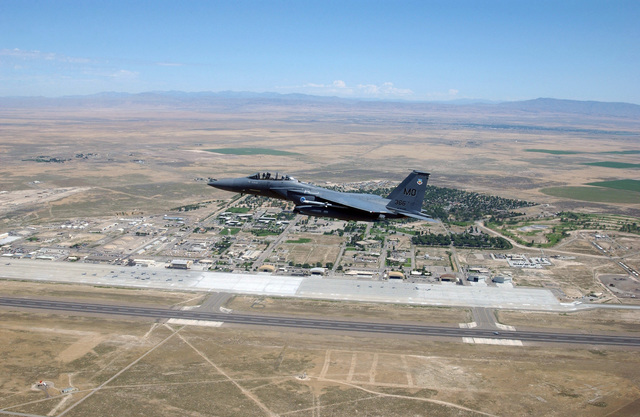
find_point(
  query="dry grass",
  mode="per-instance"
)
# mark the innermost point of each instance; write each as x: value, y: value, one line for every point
x: 599, y: 320
x: 354, y: 310
x: 143, y: 368
x: 316, y: 248
x: 98, y: 293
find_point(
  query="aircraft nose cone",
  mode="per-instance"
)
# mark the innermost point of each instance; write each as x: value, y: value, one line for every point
x: 227, y: 184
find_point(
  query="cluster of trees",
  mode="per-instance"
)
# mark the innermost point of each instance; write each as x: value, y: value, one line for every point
x: 357, y: 232
x: 44, y: 158
x: 450, y: 204
x: 328, y: 265
x: 221, y: 246
x: 253, y: 202
x: 465, y: 206
x: 190, y: 207
x: 573, y: 220
x: 462, y: 240
x: 630, y: 228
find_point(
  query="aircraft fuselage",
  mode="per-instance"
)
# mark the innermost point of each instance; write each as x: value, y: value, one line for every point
x: 317, y: 201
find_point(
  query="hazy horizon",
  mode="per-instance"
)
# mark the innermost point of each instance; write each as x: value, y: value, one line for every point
x: 273, y: 94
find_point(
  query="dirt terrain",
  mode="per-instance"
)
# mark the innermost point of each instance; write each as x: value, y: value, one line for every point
x: 117, y: 366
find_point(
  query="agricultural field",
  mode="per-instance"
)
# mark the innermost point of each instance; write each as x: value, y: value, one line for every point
x: 250, y: 151
x: 593, y: 194
x: 625, y: 185
x: 554, y: 151
x: 612, y: 164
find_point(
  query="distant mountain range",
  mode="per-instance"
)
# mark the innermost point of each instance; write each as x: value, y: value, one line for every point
x: 229, y: 100
x: 577, y: 107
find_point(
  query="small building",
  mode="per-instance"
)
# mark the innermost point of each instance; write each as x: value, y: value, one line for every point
x: 144, y: 262
x: 69, y: 390
x: 366, y: 243
x: 448, y: 278
x: 101, y: 258
x: 318, y: 271
x: 173, y: 218
x: 359, y: 274
x: 502, y: 279
x: 251, y: 255
x: 181, y: 264
x: 267, y: 268
x: 477, y: 278
x: 396, y: 275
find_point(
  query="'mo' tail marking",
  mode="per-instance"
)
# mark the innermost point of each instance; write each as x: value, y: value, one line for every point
x: 408, y: 196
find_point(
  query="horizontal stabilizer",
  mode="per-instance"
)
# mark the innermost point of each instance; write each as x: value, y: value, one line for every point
x: 419, y: 216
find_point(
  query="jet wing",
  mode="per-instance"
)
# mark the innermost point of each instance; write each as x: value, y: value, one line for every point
x: 363, y: 202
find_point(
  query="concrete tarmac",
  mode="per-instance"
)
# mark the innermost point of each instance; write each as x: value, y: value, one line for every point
x: 536, y: 299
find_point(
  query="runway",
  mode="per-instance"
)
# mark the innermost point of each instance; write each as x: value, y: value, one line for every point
x: 320, y: 324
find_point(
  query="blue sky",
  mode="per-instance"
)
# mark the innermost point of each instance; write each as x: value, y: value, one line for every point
x: 410, y: 50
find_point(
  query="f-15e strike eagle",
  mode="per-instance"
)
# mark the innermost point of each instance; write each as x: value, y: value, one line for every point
x: 404, y: 201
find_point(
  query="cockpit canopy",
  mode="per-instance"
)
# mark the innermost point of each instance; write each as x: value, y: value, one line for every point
x: 269, y: 176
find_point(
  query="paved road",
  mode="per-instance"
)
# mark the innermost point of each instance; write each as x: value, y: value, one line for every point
x: 267, y: 252
x: 484, y: 318
x: 215, y: 301
x: 319, y: 324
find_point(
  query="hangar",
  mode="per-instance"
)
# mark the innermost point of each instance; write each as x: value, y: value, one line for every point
x: 396, y: 275
x: 181, y: 264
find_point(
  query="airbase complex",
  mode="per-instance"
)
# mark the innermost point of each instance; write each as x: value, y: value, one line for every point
x: 254, y: 238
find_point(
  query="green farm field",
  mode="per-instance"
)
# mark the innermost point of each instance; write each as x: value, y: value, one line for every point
x: 612, y: 164
x: 594, y: 194
x: 251, y: 151
x: 624, y: 185
x: 553, y: 151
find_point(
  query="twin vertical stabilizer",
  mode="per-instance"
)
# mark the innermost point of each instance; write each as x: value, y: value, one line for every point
x: 408, y: 196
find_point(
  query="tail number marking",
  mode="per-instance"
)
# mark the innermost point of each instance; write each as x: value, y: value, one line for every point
x: 411, y: 191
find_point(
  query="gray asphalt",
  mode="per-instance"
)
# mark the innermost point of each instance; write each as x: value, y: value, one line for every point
x: 215, y: 301
x: 319, y: 324
x: 484, y: 318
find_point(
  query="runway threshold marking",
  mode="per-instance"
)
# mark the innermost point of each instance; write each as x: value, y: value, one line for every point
x: 485, y: 341
x: 187, y: 322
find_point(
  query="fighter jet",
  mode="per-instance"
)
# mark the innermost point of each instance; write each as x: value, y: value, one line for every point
x: 404, y: 201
